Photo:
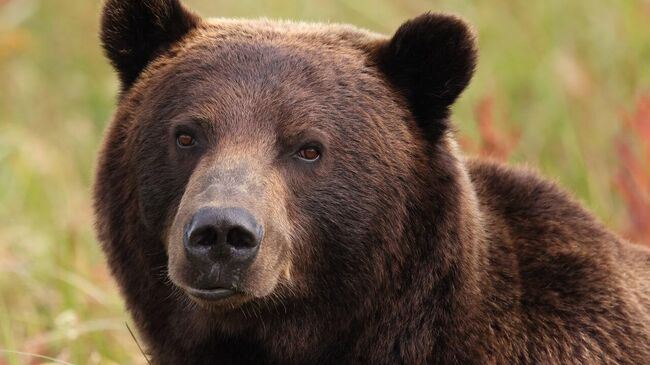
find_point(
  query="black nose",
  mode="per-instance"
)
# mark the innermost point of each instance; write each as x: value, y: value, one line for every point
x: 222, y: 234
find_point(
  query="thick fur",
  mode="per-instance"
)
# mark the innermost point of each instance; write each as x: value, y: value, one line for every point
x: 400, y: 251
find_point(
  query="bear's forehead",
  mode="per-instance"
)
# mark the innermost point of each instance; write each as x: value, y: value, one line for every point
x: 267, y: 51
x: 228, y: 43
x: 280, y: 67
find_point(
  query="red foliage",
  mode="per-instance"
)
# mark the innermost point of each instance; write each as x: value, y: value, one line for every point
x: 492, y: 143
x: 633, y: 178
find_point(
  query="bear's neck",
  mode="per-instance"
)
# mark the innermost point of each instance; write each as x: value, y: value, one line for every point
x: 449, y: 272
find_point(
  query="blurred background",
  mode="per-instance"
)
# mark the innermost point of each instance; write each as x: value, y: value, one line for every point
x: 563, y: 86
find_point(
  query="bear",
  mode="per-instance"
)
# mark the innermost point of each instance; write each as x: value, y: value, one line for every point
x: 273, y: 192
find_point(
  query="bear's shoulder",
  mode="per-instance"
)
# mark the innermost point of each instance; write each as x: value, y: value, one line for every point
x: 527, y: 200
x: 556, y: 266
x: 554, y: 242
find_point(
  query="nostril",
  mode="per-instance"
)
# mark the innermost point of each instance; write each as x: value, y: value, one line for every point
x: 241, y: 238
x: 222, y: 233
x: 204, y: 236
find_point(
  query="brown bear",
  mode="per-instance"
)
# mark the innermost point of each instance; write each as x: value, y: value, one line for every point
x: 290, y: 193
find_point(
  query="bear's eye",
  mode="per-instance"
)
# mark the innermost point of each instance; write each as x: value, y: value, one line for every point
x: 309, y: 154
x: 184, y: 140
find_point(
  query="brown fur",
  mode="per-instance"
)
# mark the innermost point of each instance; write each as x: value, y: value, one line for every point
x: 392, y: 248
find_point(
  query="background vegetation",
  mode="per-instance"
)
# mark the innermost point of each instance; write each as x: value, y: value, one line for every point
x: 562, y: 85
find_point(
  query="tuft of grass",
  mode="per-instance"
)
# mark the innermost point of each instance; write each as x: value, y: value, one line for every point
x: 494, y: 141
x: 551, y: 79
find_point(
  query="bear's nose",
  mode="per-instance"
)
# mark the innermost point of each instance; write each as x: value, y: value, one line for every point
x: 217, y: 234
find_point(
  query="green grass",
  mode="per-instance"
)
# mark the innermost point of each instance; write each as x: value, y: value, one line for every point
x: 559, y: 74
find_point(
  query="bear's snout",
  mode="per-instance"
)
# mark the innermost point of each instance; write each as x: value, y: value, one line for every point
x: 224, y: 236
x: 220, y: 243
x: 229, y: 236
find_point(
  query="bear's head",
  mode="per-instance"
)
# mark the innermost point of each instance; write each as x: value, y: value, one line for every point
x: 254, y: 164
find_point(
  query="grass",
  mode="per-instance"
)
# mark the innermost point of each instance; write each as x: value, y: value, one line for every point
x: 556, y: 83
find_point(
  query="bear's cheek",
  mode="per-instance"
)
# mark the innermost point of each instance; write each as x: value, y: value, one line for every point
x: 161, y: 180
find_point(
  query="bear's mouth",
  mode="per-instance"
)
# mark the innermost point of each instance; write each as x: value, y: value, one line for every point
x: 211, y: 294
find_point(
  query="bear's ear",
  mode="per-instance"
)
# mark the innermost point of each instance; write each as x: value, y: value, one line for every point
x: 430, y: 60
x: 134, y: 32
